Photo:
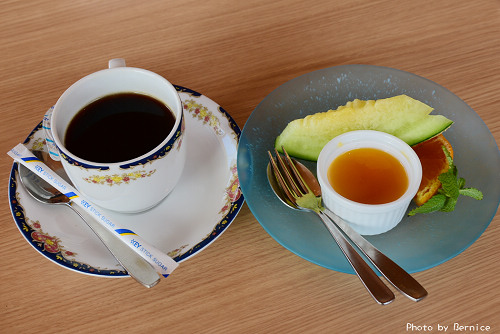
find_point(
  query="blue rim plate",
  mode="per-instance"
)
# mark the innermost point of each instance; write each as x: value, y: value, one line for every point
x: 204, y: 203
x: 417, y: 243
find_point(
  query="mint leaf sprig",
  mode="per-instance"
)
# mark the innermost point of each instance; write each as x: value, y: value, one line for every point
x: 451, y: 188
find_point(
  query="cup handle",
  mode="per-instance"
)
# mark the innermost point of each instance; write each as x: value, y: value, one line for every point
x: 116, y: 62
x: 49, y: 140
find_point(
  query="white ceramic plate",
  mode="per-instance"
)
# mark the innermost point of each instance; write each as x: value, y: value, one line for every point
x: 201, y: 207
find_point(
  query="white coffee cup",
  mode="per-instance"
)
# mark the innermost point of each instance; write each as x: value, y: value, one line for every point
x: 129, y: 186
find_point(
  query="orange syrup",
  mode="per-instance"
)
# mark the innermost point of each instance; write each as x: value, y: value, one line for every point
x: 368, y: 175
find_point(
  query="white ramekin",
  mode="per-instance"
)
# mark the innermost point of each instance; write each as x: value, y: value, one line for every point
x: 369, y: 219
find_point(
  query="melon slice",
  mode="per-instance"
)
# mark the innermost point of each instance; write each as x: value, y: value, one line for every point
x: 401, y: 116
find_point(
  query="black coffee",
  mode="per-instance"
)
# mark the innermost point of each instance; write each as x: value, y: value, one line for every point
x: 118, y: 127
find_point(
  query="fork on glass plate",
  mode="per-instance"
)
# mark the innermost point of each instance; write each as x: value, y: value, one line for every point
x: 292, y: 183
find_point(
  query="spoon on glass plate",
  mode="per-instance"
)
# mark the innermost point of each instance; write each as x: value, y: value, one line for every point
x: 396, y: 275
x: 39, y: 189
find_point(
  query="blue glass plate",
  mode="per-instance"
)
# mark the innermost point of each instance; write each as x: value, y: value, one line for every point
x: 417, y: 243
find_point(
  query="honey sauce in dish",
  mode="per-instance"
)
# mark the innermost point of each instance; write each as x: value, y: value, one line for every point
x: 368, y: 175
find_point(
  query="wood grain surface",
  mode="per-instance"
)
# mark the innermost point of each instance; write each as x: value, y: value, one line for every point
x: 237, y: 52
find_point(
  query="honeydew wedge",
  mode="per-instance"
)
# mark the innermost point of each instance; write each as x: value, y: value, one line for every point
x: 401, y: 116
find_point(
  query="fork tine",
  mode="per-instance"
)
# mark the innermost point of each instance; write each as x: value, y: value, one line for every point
x: 281, y: 180
x: 296, y: 172
x: 288, y: 175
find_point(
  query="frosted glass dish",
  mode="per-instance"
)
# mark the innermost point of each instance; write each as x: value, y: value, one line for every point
x: 417, y: 243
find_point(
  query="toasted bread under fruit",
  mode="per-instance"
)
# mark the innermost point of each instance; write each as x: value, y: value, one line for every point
x: 434, y: 163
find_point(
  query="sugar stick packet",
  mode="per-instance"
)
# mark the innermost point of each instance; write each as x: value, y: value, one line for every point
x: 162, y: 263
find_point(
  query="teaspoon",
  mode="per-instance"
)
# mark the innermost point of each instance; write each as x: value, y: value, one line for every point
x: 396, y: 275
x: 136, y: 266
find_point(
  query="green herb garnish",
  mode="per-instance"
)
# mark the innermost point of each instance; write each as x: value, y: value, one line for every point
x: 451, y: 187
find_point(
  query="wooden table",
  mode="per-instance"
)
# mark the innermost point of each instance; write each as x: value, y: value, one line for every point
x: 237, y: 52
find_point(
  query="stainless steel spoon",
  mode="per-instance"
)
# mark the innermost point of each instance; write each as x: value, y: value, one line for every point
x: 295, y: 195
x: 396, y: 275
x: 138, y: 268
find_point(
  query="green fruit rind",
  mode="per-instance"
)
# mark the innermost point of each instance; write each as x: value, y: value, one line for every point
x: 401, y: 116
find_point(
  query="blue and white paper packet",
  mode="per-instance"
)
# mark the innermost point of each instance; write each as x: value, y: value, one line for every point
x: 162, y: 263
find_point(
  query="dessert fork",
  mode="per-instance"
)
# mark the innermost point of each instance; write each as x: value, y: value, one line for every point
x: 301, y: 197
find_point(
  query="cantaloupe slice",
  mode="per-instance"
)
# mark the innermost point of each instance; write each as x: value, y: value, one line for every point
x: 401, y: 116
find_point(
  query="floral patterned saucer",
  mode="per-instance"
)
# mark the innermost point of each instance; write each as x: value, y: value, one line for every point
x: 203, y: 204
